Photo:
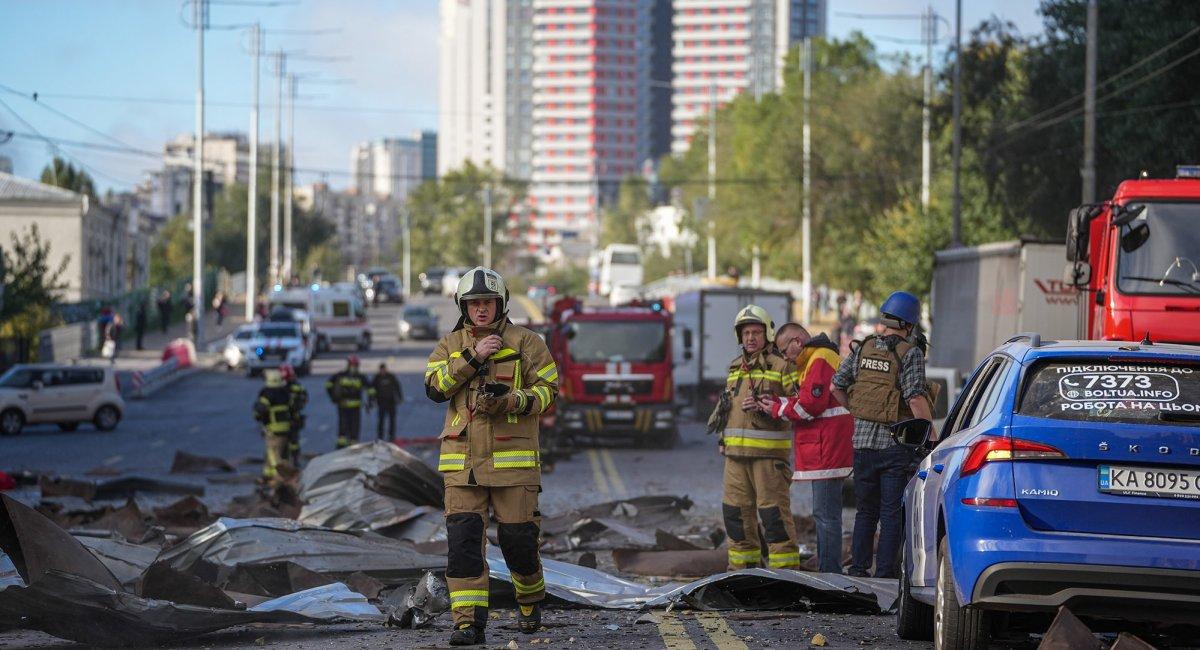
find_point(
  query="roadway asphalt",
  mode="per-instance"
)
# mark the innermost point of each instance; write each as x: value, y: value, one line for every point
x: 208, y: 413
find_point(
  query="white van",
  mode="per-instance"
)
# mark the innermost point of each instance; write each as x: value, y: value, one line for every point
x: 620, y: 266
x: 338, y: 315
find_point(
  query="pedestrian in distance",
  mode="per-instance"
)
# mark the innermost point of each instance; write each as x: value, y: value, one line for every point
x: 139, y: 324
x: 386, y: 398
x: 822, y: 431
x: 164, y: 309
x: 497, y: 378
x: 346, y: 389
x: 274, y: 411
x: 882, y: 382
x: 220, y: 304
x: 189, y: 311
x: 757, y: 449
x: 299, y: 401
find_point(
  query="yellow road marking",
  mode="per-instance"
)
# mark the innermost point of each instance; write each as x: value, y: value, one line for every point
x: 718, y: 630
x: 674, y: 635
x: 614, y: 478
x: 597, y: 471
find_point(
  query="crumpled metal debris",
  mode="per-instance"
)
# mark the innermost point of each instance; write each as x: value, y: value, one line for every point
x: 327, y: 603
x: 125, y: 560
x: 185, y: 463
x: 672, y: 563
x: 117, y: 488
x: 368, y: 486
x: 571, y: 583
x: 264, y: 556
x: 646, y: 512
x: 420, y: 604
x: 759, y: 589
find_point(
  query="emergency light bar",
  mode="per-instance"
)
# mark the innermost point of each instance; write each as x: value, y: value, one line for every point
x: 1187, y: 171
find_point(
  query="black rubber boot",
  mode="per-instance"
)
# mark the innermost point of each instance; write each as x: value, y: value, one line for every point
x: 531, y: 622
x: 467, y: 634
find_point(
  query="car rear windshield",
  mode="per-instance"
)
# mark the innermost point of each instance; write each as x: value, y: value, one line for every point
x: 410, y: 312
x: 1134, y: 391
x: 278, y: 331
x: 612, y: 342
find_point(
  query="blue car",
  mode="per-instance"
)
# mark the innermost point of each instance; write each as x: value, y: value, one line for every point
x: 1068, y: 473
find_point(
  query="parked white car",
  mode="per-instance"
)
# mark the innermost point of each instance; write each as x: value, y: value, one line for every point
x: 62, y: 395
x: 256, y: 347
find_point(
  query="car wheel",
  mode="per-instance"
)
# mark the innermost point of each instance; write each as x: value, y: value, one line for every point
x: 955, y: 627
x: 68, y: 426
x: 106, y: 418
x: 11, y: 422
x: 914, y: 619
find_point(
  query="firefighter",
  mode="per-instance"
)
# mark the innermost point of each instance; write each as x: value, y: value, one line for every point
x: 757, y: 449
x: 299, y: 401
x: 274, y: 410
x: 882, y: 382
x: 498, y: 379
x: 346, y: 390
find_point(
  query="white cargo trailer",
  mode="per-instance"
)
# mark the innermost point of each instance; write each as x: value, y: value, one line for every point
x: 984, y: 295
x: 704, y: 342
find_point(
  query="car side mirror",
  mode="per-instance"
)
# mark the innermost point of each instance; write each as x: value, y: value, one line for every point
x: 913, y: 434
x: 1078, y: 274
x: 1135, y: 237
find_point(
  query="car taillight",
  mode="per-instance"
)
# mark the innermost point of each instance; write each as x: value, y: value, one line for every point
x: 990, y: 450
x: 993, y: 503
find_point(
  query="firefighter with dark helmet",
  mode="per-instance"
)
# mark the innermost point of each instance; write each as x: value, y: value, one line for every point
x: 497, y: 379
x: 757, y: 450
x: 882, y: 382
x: 299, y: 401
x: 346, y: 389
x: 274, y: 411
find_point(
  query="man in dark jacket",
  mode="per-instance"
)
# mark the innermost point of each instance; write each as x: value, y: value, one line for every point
x: 387, y: 396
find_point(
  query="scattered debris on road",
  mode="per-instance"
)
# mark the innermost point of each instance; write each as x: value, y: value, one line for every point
x: 186, y: 463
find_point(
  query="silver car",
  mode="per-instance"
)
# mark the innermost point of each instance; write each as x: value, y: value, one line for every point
x: 62, y: 395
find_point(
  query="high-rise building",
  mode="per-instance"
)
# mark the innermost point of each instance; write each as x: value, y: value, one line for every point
x: 726, y: 47
x: 394, y: 167
x: 590, y: 112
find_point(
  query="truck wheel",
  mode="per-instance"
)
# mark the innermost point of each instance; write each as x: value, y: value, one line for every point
x: 11, y: 422
x: 914, y: 620
x: 955, y: 627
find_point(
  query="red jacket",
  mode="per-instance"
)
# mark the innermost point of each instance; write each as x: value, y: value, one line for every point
x: 823, y: 428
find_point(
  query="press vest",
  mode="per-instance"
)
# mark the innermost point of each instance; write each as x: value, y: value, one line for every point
x: 876, y: 394
x: 501, y: 449
x: 755, y: 434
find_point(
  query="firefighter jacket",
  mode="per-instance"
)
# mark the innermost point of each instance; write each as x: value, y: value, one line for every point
x: 499, y: 449
x: 822, y: 429
x: 877, y: 394
x: 299, y: 399
x: 274, y: 409
x: 754, y: 434
x: 346, y: 389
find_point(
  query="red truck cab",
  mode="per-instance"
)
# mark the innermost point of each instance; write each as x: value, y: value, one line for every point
x: 614, y: 372
x: 1136, y: 257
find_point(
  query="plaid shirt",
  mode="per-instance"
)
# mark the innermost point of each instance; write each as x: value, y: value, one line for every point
x: 873, y: 435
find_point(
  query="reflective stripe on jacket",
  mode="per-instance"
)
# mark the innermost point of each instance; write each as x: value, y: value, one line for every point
x: 499, y: 449
x: 756, y: 434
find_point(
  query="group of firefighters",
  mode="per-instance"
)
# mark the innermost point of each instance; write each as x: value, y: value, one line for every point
x: 279, y: 410
x: 792, y: 410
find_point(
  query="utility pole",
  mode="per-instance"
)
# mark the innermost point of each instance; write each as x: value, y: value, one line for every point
x: 407, y: 252
x: 252, y: 207
x: 929, y: 35
x: 290, y: 168
x: 201, y: 17
x: 956, y: 233
x: 1088, y: 172
x: 280, y: 65
x: 806, y: 210
x: 712, y: 180
x: 487, y: 225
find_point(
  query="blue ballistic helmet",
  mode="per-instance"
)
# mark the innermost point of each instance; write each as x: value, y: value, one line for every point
x: 902, y: 306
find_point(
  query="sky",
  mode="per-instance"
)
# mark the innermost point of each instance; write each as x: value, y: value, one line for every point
x: 122, y: 73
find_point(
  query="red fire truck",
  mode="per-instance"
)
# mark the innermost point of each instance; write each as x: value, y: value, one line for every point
x: 614, y: 372
x: 1135, y: 258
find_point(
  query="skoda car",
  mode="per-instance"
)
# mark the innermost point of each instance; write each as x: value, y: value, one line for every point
x: 1068, y: 474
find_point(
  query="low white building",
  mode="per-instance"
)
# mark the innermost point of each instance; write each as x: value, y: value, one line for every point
x: 107, y: 251
x: 663, y: 228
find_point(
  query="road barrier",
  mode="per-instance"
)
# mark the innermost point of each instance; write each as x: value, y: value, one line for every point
x: 144, y: 384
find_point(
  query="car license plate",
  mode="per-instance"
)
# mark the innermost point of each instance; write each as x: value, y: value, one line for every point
x: 1150, y: 482
x: 623, y: 416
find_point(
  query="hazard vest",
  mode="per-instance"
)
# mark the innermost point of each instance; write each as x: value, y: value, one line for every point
x: 274, y: 410
x: 756, y: 434
x: 501, y: 449
x: 876, y: 394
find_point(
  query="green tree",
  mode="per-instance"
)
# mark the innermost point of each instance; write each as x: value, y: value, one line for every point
x: 61, y: 173
x: 619, y: 223
x: 31, y: 287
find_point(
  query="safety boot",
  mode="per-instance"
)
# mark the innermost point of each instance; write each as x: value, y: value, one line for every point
x: 467, y: 634
x: 529, y: 618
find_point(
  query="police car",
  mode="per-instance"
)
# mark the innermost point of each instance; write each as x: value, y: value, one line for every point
x: 258, y: 346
